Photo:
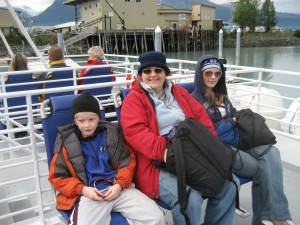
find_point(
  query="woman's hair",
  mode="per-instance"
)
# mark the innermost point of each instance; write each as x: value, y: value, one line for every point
x: 18, y: 62
x: 218, y: 98
x: 96, y: 52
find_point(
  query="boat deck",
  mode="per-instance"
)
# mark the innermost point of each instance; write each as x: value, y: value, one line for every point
x: 291, y: 181
x: 25, y: 194
x: 291, y: 186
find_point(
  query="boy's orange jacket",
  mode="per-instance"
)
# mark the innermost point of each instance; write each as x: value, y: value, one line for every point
x: 67, y: 171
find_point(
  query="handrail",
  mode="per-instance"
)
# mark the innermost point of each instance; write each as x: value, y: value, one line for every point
x: 32, y: 155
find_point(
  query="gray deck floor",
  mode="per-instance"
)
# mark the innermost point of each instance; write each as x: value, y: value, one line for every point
x: 291, y: 185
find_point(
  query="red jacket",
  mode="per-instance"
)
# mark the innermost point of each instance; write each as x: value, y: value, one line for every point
x: 93, y: 63
x: 141, y: 130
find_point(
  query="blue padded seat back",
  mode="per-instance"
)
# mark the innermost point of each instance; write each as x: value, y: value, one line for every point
x: 188, y: 86
x: 90, y: 73
x: 60, y: 76
x: 124, y: 92
x: 60, y: 114
x: 29, y: 84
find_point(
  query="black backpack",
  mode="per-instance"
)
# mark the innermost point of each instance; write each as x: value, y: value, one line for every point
x: 199, y: 159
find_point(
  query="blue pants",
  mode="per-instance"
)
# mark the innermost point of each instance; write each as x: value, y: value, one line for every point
x: 219, y: 210
x: 268, y: 199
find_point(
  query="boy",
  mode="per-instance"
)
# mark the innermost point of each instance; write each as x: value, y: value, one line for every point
x: 92, y: 169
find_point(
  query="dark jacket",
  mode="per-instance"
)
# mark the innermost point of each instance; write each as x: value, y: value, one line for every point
x: 67, y: 170
x: 202, y: 96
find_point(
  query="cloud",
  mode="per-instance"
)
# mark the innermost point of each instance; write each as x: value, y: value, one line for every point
x: 37, y: 6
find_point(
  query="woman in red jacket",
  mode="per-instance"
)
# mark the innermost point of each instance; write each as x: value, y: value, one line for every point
x: 95, y: 57
x: 151, y: 109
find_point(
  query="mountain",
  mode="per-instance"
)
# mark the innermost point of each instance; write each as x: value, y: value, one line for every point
x: 59, y: 13
x: 55, y: 14
x: 288, y: 20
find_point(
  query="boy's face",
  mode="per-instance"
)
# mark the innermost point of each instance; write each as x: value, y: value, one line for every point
x: 87, y: 123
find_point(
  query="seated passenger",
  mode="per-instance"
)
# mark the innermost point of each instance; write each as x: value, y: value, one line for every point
x: 96, y: 57
x: 18, y: 62
x: 269, y: 203
x: 56, y: 60
x: 150, y: 110
x: 92, y: 169
x: 56, y: 57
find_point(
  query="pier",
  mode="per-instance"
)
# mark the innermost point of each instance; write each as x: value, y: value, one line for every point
x: 138, y: 41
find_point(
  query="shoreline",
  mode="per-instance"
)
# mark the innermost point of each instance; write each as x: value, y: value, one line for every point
x: 270, y: 39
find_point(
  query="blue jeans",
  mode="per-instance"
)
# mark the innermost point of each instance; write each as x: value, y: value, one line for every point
x: 219, y: 210
x: 268, y: 199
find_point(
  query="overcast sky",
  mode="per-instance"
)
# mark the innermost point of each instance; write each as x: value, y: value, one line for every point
x: 291, y: 6
x: 37, y: 5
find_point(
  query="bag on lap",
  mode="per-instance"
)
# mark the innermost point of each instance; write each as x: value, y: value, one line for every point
x: 250, y: 130
x: 253, y: 130
x: 199, y: 159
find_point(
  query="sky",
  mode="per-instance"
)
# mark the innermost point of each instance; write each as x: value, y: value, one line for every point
x: 36, y: 5
x: 290, y: 6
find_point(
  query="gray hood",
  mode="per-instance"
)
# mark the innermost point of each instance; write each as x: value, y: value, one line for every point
x: 200, y: 93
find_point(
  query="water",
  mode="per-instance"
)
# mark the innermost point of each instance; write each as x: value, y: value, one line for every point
x: 279, y: 58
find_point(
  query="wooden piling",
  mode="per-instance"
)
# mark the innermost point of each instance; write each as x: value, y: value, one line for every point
x: 138, y: 41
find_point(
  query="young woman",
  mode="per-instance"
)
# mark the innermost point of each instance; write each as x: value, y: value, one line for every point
x: 150, y: 110
x: 18, y: 62
x: 269, y: 203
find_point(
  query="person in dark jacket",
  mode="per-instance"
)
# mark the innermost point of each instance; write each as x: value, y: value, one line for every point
x: 150, y: 110
x: 56, y: 60
x: 269, y: 203
x: 56, y: 57
x: 92, y: 169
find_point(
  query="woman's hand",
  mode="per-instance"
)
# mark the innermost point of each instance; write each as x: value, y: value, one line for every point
x: 92, y: 193
x: 234, y: 119
x: 112, y: 192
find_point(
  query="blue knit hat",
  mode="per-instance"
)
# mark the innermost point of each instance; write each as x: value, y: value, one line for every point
x: 153, y: 58
x: 211, y: 63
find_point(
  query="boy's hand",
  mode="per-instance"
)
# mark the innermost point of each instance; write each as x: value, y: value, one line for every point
x: 112, y: 193
x: 92, y: 193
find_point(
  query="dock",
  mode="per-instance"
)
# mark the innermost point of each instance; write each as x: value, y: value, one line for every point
x: 138, y: 41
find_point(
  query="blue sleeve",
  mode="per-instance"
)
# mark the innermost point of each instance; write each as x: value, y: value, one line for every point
x: 228, y: 133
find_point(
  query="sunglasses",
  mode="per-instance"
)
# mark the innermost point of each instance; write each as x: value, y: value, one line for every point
x: 210, y: 73
x: 148, y: 71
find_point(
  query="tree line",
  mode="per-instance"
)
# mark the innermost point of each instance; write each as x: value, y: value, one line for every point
x: 251, y: 13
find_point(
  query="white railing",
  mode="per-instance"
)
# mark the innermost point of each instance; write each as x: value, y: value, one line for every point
x: 24, y: 188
